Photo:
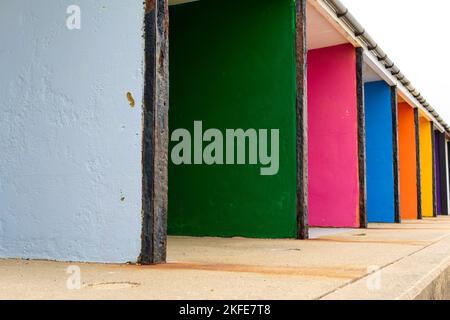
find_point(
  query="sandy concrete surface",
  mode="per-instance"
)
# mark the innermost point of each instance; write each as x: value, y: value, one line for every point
x: 404, y: 261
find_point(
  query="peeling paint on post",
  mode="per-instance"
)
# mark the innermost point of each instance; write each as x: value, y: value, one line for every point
x: 396, y: 162
x: 155, y: 137
x: 302, y: 121
x: 419, y: 169
x: 361, y: 139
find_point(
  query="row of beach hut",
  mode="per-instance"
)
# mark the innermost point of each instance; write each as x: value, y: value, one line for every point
x: 355, y: 145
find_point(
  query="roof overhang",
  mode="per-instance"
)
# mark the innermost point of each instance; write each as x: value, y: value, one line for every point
x: 321, y: 7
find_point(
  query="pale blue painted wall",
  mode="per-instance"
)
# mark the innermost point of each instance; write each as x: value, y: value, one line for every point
x: 70, y: 144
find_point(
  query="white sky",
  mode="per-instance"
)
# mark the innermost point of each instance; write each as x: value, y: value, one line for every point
x: 414, y: 34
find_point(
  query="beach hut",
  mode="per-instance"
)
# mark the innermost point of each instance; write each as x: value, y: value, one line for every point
x: 335, y: 127
x: 234, y: 90
x: 252, y: 124
x: 440, y: 169
x: 426, y: 166
x: 381, y: 117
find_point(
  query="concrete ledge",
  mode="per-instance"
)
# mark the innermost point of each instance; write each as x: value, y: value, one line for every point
x: 407, y: 261
x: 438, y: 288
x: 424, y: 274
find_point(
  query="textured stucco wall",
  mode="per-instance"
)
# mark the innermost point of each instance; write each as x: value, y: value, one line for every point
x: 70, y: 159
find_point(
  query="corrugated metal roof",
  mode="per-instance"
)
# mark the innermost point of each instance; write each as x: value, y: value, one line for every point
x: 360, y: 33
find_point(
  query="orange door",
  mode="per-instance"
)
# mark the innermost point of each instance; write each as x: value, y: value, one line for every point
x: 408, y: 162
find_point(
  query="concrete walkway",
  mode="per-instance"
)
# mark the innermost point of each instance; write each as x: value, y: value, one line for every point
x: 406, y: 261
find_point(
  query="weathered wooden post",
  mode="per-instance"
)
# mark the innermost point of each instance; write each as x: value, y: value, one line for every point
x: 156, y: 133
